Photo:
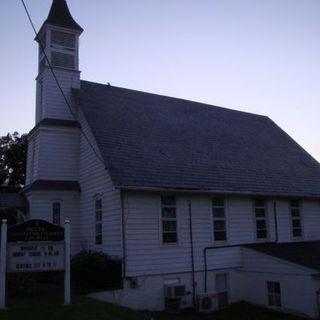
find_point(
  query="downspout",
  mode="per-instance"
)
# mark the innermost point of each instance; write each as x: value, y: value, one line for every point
x: 124, y: 249
x: 275, y: 220
x: 192, y: 256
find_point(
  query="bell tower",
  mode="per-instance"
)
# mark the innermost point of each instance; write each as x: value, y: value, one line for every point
x: 52, y: 178
x: 58, y: 41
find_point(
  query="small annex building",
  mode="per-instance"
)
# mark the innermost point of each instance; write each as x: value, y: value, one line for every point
x: 204, y: 206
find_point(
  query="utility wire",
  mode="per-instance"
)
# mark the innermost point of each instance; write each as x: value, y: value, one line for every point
x: 58, y: 84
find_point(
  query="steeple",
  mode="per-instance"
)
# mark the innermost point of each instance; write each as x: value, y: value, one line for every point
x: 58, y: 40
x: 60, y: 15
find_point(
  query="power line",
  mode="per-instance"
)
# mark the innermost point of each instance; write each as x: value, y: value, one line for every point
x: 58, y: 84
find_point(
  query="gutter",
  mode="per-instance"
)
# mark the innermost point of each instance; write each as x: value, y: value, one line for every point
x: 218, y: 192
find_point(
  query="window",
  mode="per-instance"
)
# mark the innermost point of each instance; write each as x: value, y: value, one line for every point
x: 219, y: 219
x: 98, y: 214
x: 56, y: 212
x: 222, y: 289
x: 274, y: 294
x: 296, y: 219
x: 261, y: 219
x: 169, y: 219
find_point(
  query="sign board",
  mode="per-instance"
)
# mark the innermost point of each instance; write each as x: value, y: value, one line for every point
x: 35, y: 256
x: 35, y: 230
x: 35, y: 245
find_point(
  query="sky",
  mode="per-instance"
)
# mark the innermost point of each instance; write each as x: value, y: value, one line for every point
x: 259, y: 56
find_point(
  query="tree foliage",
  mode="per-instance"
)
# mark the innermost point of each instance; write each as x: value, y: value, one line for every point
x: 13, y: 154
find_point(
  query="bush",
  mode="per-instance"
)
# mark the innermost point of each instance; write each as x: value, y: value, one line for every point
x: 95, y: 271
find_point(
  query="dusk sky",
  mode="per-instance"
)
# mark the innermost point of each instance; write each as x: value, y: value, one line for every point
x: 260, y: 56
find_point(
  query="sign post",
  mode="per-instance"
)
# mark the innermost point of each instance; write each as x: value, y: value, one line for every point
x: 67, y: 280
x: 3, y: 261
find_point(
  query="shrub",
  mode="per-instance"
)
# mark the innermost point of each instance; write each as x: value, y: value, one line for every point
x: 95, y: 271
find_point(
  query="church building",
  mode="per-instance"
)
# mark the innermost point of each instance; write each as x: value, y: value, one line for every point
x: 204, y: 206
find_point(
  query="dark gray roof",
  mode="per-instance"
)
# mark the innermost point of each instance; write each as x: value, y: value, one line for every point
x: 153, y: 141
x: 305, y: 253
x: 42, y: 185
x: 60, y: 15
x: 12, y: 200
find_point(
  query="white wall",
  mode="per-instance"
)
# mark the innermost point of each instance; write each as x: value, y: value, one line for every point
x: 53, y: 104
x: 298, y: 294
x: 95, y: 182
x: 149, y: 294
x: 40, y: 204
x: 146, y: 254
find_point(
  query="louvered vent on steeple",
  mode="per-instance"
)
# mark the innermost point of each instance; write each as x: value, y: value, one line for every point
x: 63, y: 60
x: 63, y: 46
x: 63, y: 39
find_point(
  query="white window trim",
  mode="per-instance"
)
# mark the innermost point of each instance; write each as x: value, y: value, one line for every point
x: 291, y: 220
x: 266, y: 211
x: 226, y: 216
x: 165, y: 244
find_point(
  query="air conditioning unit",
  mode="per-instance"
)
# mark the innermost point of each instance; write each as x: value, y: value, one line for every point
x: 207, y: 302
x: 174, y: 291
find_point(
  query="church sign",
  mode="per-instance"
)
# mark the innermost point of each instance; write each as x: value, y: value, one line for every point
x: 35, y: 230
x: 34, y: 245
x: 35, y: 256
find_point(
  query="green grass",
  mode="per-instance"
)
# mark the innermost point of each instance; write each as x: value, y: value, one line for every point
x: 49, y: 308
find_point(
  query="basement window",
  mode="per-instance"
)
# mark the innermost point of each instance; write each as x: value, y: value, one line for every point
x: 261, y: 219
x: 219, y: 219
x: 98, y: 221
x: 169, y: 219
x: 296, y: 219
x: 274, y: 294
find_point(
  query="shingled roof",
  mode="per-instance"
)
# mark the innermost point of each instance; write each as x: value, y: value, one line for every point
x: 153, y: 141
x: 12, y: 200
x: 305, y: 253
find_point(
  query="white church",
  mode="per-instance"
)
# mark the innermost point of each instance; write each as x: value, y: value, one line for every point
x: 204, y: 205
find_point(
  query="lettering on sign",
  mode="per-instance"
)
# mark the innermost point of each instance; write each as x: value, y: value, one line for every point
x: 38, y: 256
x: 35, y: 230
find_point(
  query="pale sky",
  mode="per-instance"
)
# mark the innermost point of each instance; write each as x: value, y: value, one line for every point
x: 260, y: 56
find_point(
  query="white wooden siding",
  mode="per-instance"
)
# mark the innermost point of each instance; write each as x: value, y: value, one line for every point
x: 95, y: 180
x: 310, y: 217
x: 59, y: 154
x: 53, y: 103
x: 146, y: 255
x: 40, y: 205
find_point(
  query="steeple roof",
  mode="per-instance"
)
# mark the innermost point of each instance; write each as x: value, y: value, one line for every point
x: 60, y: 15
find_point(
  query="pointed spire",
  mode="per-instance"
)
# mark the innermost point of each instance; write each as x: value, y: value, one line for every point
x: 60, y: 15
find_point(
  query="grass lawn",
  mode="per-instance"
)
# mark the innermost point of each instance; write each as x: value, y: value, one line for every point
x: 49, y: 308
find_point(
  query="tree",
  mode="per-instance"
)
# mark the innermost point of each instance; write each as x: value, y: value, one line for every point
x: 13, y: 155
